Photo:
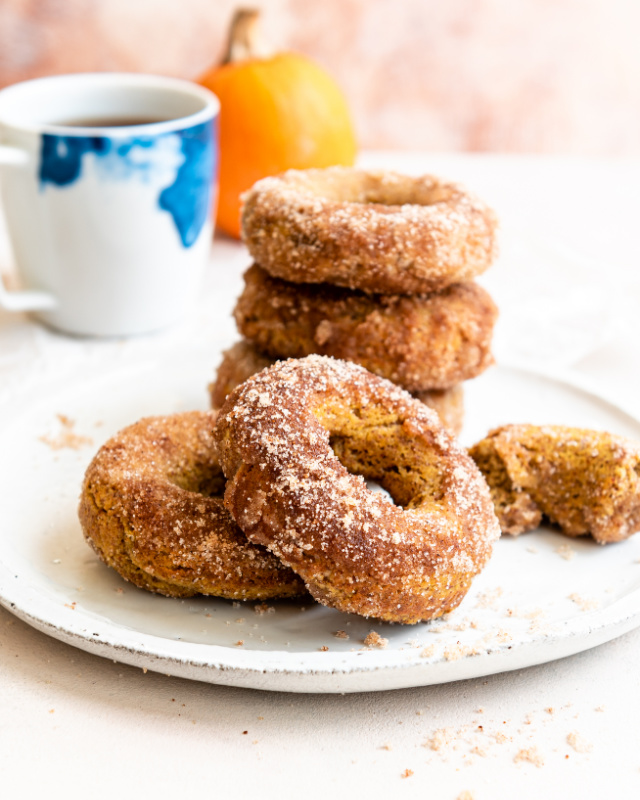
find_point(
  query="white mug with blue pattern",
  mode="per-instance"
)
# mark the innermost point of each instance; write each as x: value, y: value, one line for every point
x: 108, y: 187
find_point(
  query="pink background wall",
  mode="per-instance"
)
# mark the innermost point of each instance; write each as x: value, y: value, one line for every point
x: 552, y: 76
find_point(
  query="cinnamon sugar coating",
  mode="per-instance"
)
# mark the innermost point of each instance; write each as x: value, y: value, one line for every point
x: 296, y: 442
x: 420, y: 342
x: 239, y: 362
x: 585, y: 481
x: 151, y: 507
x: 375, y: 231
x: 243, y: 360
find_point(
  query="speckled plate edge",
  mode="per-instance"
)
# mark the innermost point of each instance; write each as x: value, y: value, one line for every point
x: 325, y: 672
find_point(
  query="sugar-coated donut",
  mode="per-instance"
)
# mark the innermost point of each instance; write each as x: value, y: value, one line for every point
x: 448, y: 405
x: 243, y: 360
x: 151, y: 508
x: 585, y: 481
x: 375, y: 231
x: 239, y: 362
x: 420, y: 342
x: 296, y: 442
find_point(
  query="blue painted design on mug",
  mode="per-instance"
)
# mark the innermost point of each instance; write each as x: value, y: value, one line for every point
x: 61, y: 156
x: 187, y: 197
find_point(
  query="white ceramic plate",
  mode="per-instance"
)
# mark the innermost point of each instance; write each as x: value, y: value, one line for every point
x: 542, y: 597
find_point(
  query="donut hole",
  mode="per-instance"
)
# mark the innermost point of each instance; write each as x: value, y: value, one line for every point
x: 370, y: 443
x: 392, y: 463
x: 179, y: 450
x: 200, y: 477
x: 362, y: 188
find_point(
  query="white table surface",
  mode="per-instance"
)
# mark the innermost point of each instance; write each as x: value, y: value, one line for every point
x: 73, y: 724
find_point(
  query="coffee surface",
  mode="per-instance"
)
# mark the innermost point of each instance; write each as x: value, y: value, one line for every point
x: 109, y: 122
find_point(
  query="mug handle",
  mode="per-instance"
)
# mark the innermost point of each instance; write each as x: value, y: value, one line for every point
x: 27, y: 299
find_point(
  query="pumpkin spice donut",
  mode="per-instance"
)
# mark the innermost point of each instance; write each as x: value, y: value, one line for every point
x: 151, y: 508
x: 296, y: 443
x: 239, y: 362
x: 243, y: 360
x: 585, y: 481
x: 378, y: 232
x: 421, y: 342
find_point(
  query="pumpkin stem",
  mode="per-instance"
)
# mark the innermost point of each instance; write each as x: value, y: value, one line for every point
x: 245, y: 37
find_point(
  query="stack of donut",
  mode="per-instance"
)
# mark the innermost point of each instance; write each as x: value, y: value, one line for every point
x: 267, y: 496
x: 375, y: 268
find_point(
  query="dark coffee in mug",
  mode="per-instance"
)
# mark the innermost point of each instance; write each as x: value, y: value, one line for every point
x: 109, y: 122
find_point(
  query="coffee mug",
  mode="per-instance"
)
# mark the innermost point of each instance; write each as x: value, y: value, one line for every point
x: 108, y: 187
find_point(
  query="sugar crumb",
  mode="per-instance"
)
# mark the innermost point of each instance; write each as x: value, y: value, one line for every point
x: 440, y: 739
x: 374, y: 639
x: 579, y: 743
x: 565, y: 551
x: 407, y: 773
x: 454, y: 652
x: 585, y: 603
x: 489, y: 599
x: 66, y: 437
x: 530, y: 754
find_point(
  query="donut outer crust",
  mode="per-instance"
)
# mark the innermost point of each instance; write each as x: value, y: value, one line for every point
x: 290, y: 440
x: 423, y: 342
x: 151, y: 507
x: 243, y: 360
x: 376, y: 231
x: 587, y: 482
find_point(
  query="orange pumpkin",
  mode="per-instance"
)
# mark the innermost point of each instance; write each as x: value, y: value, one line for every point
x: 277, y: 112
